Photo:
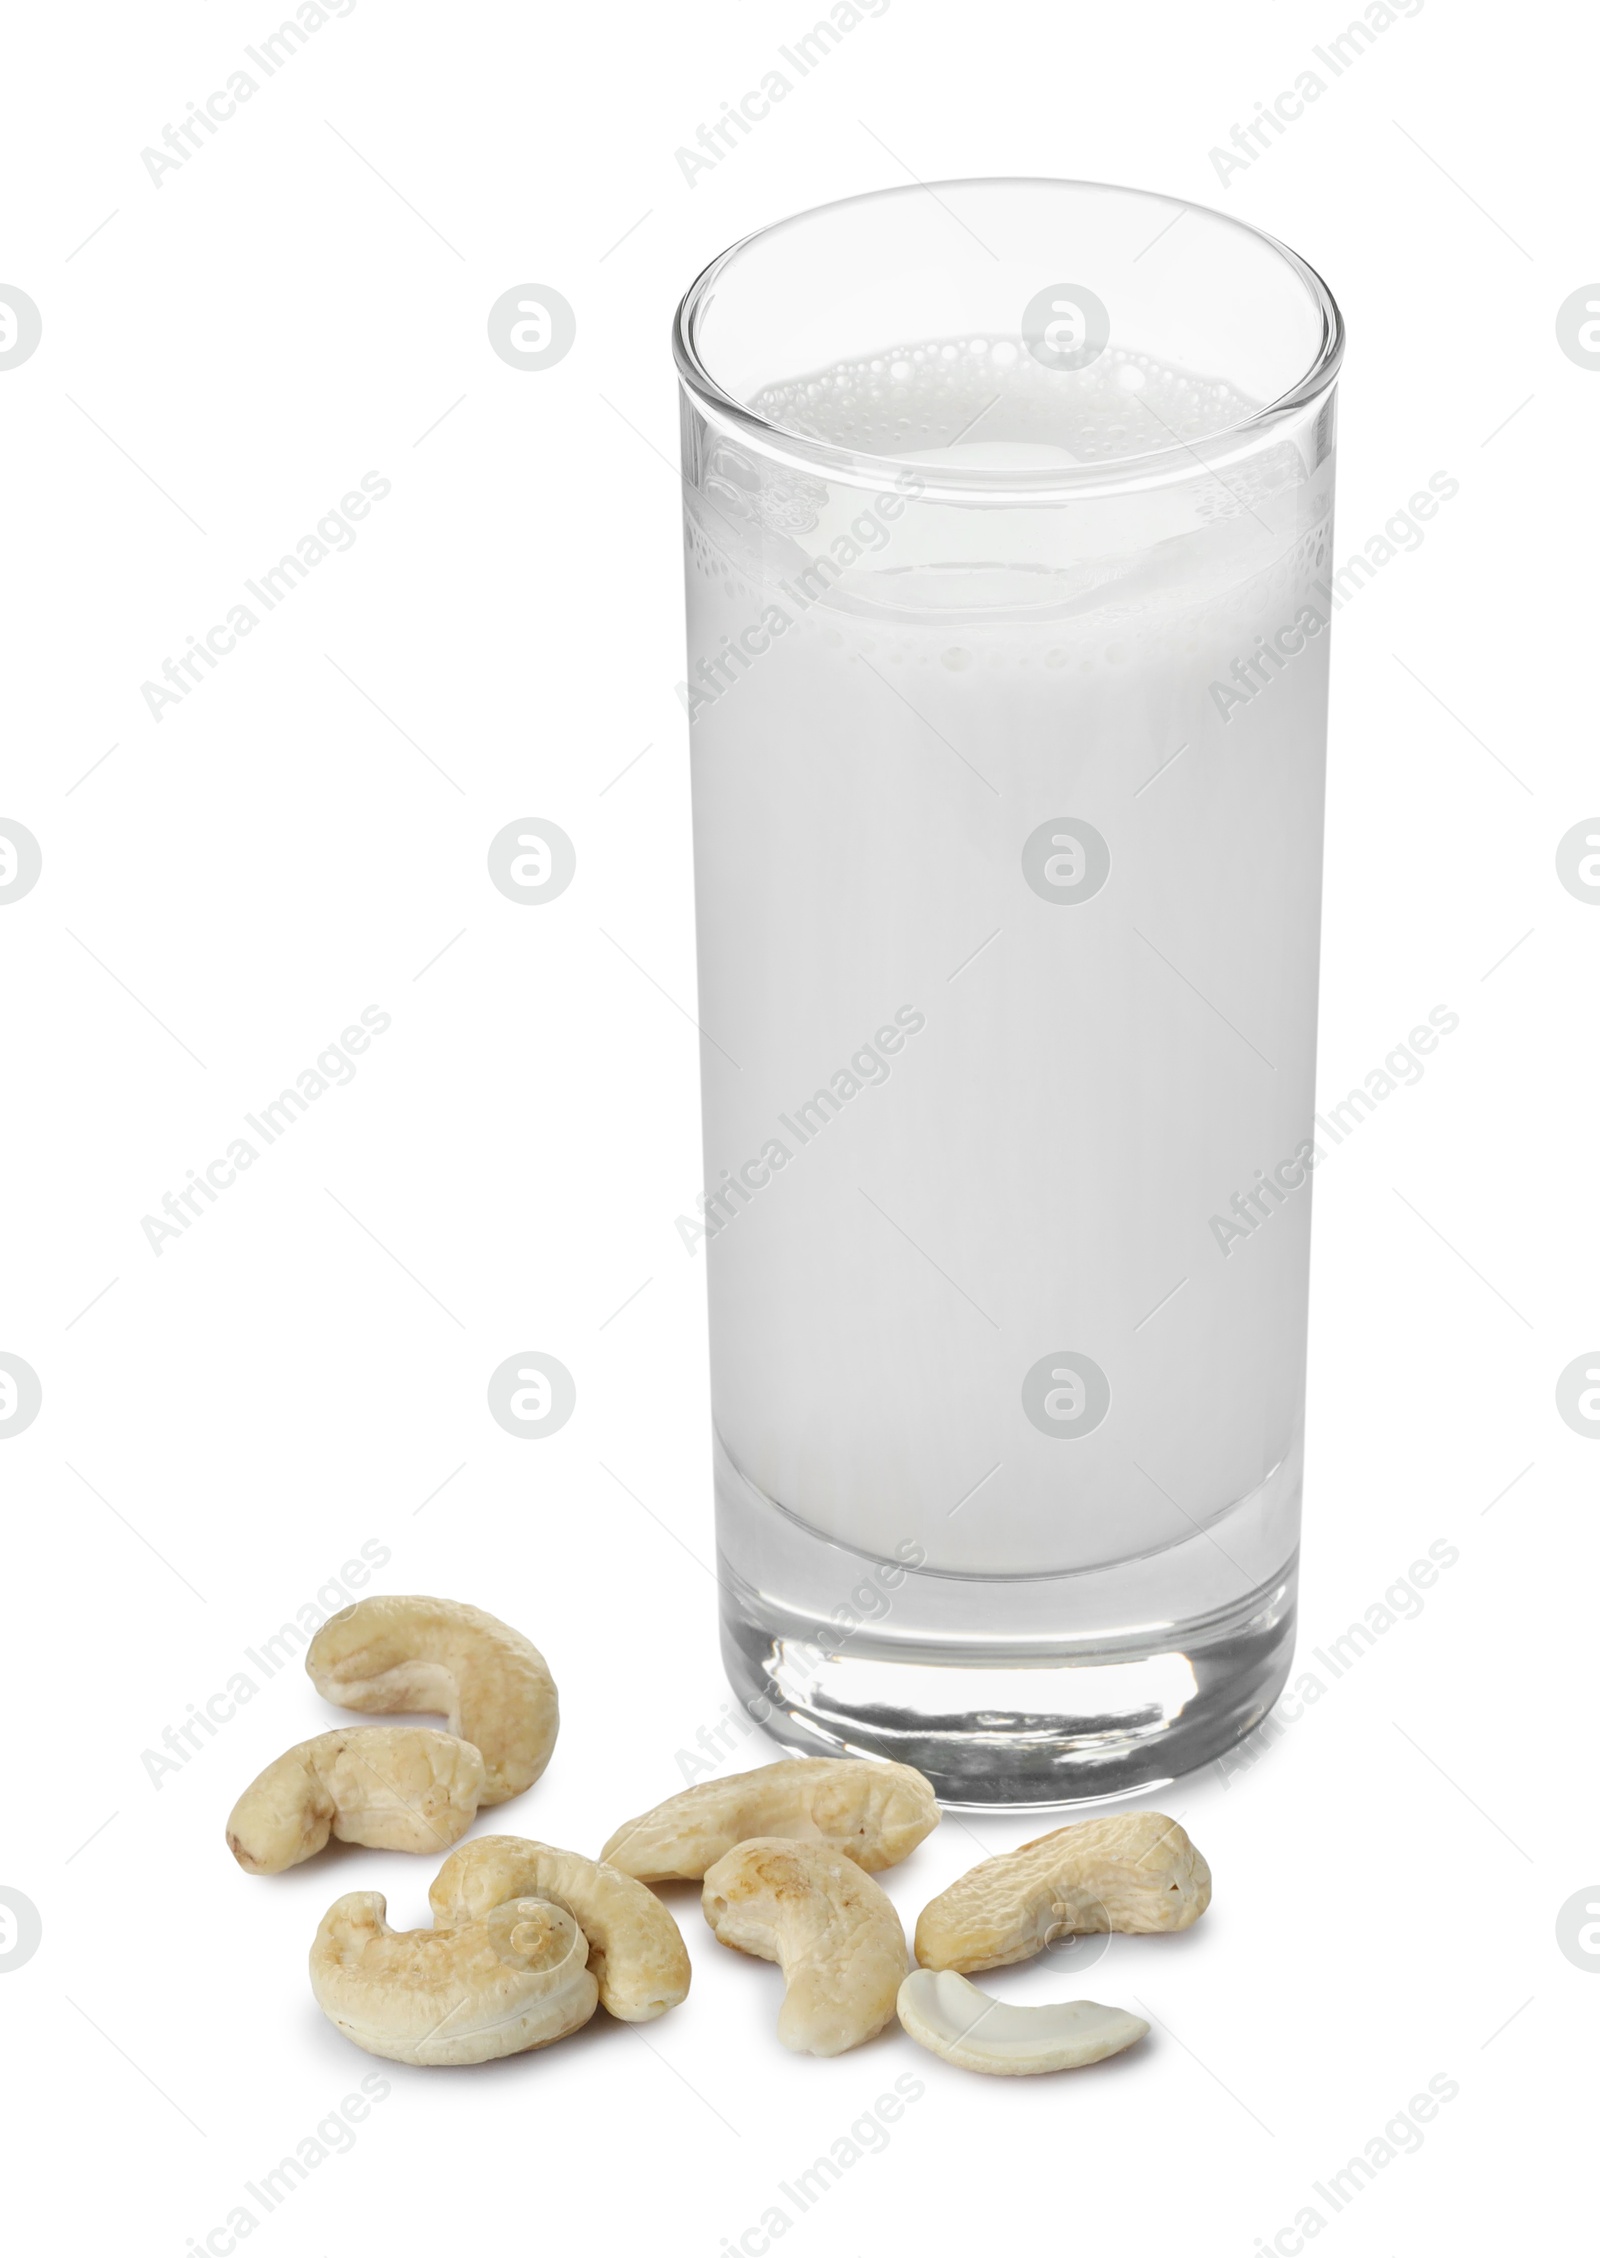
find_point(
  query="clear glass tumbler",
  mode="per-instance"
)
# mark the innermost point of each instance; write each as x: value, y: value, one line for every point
x: 1008, y: 507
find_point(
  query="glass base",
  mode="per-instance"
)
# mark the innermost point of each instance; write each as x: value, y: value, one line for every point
x: 1025, y: 1691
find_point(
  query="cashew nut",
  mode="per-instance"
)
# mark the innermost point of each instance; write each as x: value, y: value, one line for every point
x: 830, y: 1928
x: 1136, y: 1872
x: 390, y: 1655
x: 514, y: 1980
x: 952, y: 2018
x: 636, y: 1954
x: 392, y: 1787
x: 875, y: 1812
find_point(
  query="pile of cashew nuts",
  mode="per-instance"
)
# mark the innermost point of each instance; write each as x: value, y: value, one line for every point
x: 528, y: 1941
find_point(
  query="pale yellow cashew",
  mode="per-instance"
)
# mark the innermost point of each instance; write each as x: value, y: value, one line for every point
x: 828, y: 1925
x: 391, y: 1787
x: 514, y: 1980
x: 876, y: 1813
x: 1136, y: 1872
x: 636, y: 1953
x: 390, y: 1654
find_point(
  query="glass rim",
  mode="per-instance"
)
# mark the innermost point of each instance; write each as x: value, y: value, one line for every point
x: 1158, y: 467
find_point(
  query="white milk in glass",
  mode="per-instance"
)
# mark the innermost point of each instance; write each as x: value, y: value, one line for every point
x: 1007, y: 889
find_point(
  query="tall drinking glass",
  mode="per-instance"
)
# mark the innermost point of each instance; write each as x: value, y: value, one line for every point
x: 1008, y: 510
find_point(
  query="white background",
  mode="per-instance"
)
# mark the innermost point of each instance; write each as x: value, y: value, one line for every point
x: 225, y: 1423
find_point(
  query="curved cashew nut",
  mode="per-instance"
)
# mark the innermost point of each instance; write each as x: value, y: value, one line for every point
x: 390, y: 1655
x: 515, y: 1980
x: 392, y: 1787
x: 952, y: 2018
x: 875, y: 1812
x: 636, y: 1953
x: 830, y: 1928
x: 1136, y: 1872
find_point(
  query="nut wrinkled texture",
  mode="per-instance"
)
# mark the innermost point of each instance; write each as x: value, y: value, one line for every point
x: 391, y: 1787
x: 436, y: 1997
x: 953, y: 2019
x: 830, y: 1928
x: 636, y: 1953
x: 389, y: 1655
x: 875, y: 1812
x: 1136, y: 1872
